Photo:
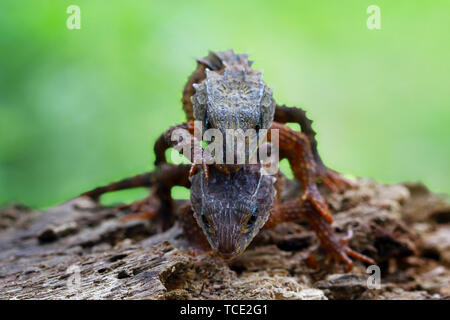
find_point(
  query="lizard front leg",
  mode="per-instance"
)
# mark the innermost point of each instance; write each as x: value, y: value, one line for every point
x: 186, y: 138
x: 336, y: 247
x: 330, y: 178
x: 296, y: 148
x: 160, y: 203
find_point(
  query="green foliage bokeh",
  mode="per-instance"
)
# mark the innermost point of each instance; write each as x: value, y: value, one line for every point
x: 79, y: 108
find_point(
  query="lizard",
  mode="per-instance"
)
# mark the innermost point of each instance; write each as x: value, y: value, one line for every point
x: 230, y: 204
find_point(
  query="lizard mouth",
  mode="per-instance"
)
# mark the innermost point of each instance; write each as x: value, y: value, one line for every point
x: 230, y: 250
x: 227, y: 256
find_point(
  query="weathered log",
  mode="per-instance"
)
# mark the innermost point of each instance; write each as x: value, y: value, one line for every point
x: 79, y: 250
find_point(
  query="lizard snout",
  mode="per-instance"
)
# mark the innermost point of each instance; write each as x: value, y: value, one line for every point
x: 228, y: 241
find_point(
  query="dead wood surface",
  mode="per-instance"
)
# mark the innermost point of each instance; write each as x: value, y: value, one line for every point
x: 79, y: 250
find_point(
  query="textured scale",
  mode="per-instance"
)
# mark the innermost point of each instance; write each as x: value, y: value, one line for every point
x: 221, y: 219
x: 229, y: 94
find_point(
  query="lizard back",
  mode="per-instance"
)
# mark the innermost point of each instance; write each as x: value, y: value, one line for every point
x: 224, y: 92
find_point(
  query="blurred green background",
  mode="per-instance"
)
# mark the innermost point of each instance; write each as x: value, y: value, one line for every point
x: 80, y: 108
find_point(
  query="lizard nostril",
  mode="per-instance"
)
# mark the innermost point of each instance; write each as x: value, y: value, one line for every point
x: 226, y: 244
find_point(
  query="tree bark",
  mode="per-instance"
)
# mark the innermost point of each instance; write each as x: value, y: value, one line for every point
x: 79, y: 250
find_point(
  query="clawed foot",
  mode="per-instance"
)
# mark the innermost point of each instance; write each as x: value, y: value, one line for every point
x: 142, y: 210
x: 205, y: 161
x: 333, y: 180
x: 339, y: 251
x: 336, y: 246
x: 205, y: 167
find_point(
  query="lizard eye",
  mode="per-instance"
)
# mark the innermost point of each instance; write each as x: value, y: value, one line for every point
x: 253, y: 217
x: 204, y: 219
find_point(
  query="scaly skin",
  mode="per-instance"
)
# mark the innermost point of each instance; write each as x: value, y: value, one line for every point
x: 231, y: 203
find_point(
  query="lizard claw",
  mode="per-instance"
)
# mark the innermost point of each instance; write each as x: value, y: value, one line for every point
x: 205, y: 169
x: 339, y: 251
x: 335, y: 245
x: 333, y: 180
x: 348, y: 237
x: 206, y: 159
x: 359, y: 256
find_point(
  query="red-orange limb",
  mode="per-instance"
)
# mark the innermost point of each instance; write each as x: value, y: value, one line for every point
x: 335, y: 246
x: 139, y: 216
x: 296, y: 148
x: 165, y: 142
x: 330, y: 178
x: 162, y: 179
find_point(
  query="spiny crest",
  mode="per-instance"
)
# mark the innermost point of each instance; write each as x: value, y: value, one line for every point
x: 233, y: 87
x: 228, y: 57
x: 234, y: 96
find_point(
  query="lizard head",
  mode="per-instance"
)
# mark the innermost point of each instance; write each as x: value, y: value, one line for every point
x: 234, y: 97
x: 232, y: 209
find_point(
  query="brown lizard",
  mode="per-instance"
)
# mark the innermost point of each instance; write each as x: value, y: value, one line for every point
x: 232, y: 203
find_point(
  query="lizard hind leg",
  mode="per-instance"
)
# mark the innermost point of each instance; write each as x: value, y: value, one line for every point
x: 336, y: 247
x: 145, y: 209
x: 331, y: 179
x: 159, y: 204
x: 296, y: 148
